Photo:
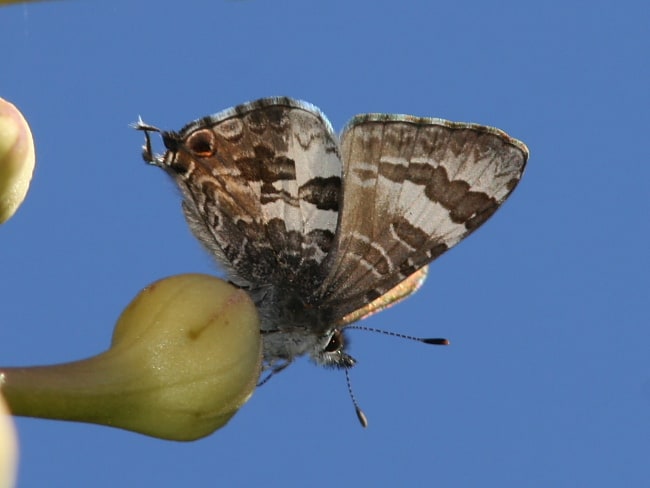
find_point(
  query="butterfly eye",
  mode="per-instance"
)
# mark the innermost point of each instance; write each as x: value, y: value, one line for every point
x: 201, y: 143
x: 335, y: 343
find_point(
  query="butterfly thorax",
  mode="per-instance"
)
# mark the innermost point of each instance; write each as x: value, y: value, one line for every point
x: 291, y: 327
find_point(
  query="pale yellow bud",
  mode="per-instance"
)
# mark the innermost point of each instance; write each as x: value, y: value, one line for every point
x: 186, y: 355
x: 16, y: 159
x: 8, y: 447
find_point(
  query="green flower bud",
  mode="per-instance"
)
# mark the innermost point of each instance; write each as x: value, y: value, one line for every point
x: 16, y: 159
x: 185, y: 356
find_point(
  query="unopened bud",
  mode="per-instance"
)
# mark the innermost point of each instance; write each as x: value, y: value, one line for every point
x: 8, y: 448
x: 185, y: 356
x: 16, y: 159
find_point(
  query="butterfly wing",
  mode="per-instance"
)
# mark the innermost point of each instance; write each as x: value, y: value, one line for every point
x: 412, y: 188
x: 392, y: 297
x: 261, y: 186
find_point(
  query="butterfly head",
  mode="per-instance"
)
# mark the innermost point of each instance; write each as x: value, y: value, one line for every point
x: 282, y: 346
x: 330, y: 352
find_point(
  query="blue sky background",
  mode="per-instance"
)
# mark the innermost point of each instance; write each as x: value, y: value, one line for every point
x: 547, y: 380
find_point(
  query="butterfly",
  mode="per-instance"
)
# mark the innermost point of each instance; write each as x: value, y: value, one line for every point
x: 322, y: 230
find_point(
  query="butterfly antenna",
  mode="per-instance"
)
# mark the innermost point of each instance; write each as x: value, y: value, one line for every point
x: 360, y: 415
x: 436, y: 341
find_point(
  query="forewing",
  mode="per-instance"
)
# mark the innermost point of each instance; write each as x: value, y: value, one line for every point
x: 261, y: 184
x: 413, y: 188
